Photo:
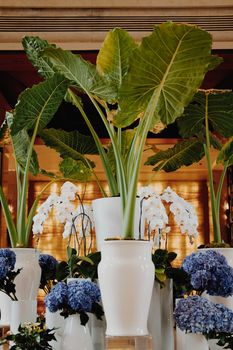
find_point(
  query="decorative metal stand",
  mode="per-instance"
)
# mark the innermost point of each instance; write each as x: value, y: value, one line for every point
x: 128, y: 343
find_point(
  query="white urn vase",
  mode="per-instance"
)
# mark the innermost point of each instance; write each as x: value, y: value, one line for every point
x: 28, y: 281
x: 22, y: 311
x: 108, y: 219
x: 126, y: 278
x: 76, y: 336
x: 5, y: 309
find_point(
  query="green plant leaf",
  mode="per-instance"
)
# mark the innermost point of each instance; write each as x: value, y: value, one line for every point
x: 80, y: 73
x: 220, y: 113
x: 168, y: 66
x: 226, y: 153
x: 34, y: 46
x: 183, y: 153
x: 113, y: 57
x: 38, y: 104
x: 21, y: 143
x: 70, y: 144
x: 75, y: 170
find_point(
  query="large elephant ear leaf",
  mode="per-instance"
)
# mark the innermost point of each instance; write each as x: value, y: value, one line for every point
x: 34, y: 46
x: 225, y: 156
x: 216, y: 105
x: 70, y: 144
x: 75, y: 170
x: 36, y: 106
x: 183, y: 153
x: 165, y: 71
x: 80, y: 73
x: 21, y: 144
x: 113, y: 57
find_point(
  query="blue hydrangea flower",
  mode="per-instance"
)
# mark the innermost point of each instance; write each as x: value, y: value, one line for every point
x: 48, y: 265
x: 57, y: 298
x: 198, y: 315
x: 209, y: 271
x: 82, y: 294
x: 4, y: 269
x: 9, y: 257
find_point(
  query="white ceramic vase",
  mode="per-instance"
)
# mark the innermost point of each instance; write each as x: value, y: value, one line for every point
x: 190, y: 341
x: 55, y: 320
x: 76, y: 336
x: 126, y: 278
x: 154, y: 320
x: 28, y: 281
x: 22, y: 311
x: 5, y: 309
x: 97, y: 331
x: 108, y: 219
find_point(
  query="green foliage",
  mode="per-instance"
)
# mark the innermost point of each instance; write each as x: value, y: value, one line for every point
x: 224, y: 340
x: 162, y: 260
x: 31, y: 336
x: 75, y: 170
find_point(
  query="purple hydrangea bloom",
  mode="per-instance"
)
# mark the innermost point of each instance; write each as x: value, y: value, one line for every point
x: 209, y: 271
x: 82, y: 294
x: 48, y: 265
x: 198, y: 315
x: 57, y: 298
x: 9, y: 257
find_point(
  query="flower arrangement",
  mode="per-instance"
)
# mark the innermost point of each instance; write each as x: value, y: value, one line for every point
x: 30, y: 336
x: 209, y: 272
x: 123, y: 91
x: 70, y: 211
x: 49, y: 267
x: 7, y: 272
x: 154, y: 212
x: 78, y: 296
x: 199, y: 315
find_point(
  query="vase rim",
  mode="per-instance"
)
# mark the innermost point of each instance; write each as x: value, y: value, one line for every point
x: 24, y: 250
x: 216, y: 248
x: 126, y: 241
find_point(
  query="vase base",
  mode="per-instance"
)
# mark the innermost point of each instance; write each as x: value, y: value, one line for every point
x: 128, y: 342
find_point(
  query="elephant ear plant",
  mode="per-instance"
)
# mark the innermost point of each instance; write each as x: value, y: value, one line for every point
x: 142, y: 87
x: 35, y: 108
x: 205, y: 124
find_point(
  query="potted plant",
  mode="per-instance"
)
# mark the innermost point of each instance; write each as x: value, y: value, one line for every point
x: 147, y: 86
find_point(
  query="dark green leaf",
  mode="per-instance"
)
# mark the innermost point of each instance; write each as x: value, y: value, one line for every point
x: 21, y: 142
x: 37, y: 105
x: 33, y: 47
x: 80, y: 73
x: 183, y: 153
x: 219, y: 106
x: 70, y: 144
x: 226, y: 153
x: 75, y: 170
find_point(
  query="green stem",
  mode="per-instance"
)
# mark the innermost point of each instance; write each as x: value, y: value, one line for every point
x: 8, y: 217
x: 219, y: 191
x: 110, y: 177
x: 215, y: 216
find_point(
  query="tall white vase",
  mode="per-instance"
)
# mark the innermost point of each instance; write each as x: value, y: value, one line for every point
x: 5, y: 309
x: 154, y: 320
x: 190, y: 341
x: 76, y: 336
x: 97, y: 331
x: 28, y: 281
x: 108, y: 219
x: 126, y: 277
x: 55, y: 320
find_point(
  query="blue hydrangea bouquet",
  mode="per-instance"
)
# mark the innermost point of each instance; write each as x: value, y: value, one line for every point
x: 79, y: 296
x: 8, y: 272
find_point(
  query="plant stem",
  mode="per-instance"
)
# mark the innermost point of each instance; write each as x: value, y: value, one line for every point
x: 215, y: 216
x: 9, y: 221
x: 219, y: 191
